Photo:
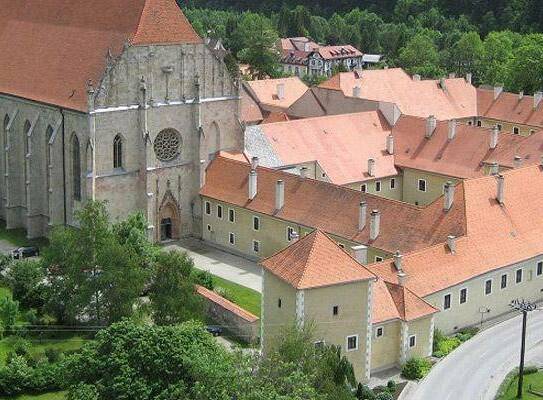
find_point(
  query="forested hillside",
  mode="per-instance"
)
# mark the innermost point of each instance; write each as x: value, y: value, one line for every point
x: 498, y: 41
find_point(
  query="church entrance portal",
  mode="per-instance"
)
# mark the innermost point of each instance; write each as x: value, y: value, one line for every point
x: 169, y: 222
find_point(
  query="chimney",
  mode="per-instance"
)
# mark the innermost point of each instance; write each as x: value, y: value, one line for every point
x: 494, y: 137
x: 398, y: 261
x: 252, y: 184
x: 375, y: 222
x: 538, y: 96
x: 402, y: 278
x: 520, y: 95
x: 362, y: 215
x: 390, y: 144
x: 303, y: 172
x: 442, y: 84
x: 497, y: 91
x: 356, y: 91
x: 449, y: 196
x: 371, y: 167
x: 494, y: 168
x: 517, y: 161
x: 499, y: 193
x: 254, y: 163
x: 360, y: 253
x: 451, y: 243
x: 279, y: 194
x: 294, y: 236
x: 431, y: 123
x: 469, y: 77
x: 280, y: 91
x: 452, y: 129
x: 416, y: 77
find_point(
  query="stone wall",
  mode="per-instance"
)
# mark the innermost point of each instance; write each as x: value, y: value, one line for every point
x: 230, y: 316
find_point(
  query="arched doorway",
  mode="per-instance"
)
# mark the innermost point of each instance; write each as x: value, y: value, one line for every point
x: 169, y: 222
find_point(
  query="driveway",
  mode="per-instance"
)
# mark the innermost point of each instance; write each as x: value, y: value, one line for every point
x: 476, y: 369
x: 225, y: 265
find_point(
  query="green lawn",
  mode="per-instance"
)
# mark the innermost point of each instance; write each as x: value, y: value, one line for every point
x: 38, y: 346
x: 46, y: 396
x: 535, y: 380
x: 18, y: 237
x: 244, y: 297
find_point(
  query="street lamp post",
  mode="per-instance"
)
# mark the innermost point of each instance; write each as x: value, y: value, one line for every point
x: 524, y: 307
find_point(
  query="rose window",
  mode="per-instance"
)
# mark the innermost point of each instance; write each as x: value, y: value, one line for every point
x: 167, y: 144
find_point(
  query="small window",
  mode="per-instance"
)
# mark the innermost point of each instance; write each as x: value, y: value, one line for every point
x: 335, y: 310
x: 539, y: 268
x: 378, y: 259
x: 363, y: 188
x: 279, y: 303
x: 341, y: 245
x: 412, y: 340
x: 499, y: 126
x: 470, y: 123
x: 422, y: 185
x: 209, y: 228
x: 231, y: 238
x: 463, y: 295
x: 208, y: 208
x: 532, y: 131
x: 352, y: 342
x: 219, y: 211
x: 379, y: 332
x: 518, y: 276
x: 378, y: 186
x: 393, y: 183
x: 256, y: 246
x: 290, y: 232
x: 503, y: 283
x: 479, y: 123
x: 447, y: 302
x: 488, y: 286
x: 231, y: 215
x: 256, y: 223
x: 516, y: 130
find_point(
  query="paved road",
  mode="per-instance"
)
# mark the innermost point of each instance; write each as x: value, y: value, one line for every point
x: 227, y: 266
x: 476, y: 369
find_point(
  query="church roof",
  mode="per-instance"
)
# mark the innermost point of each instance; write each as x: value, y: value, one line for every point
x: 50, y: 49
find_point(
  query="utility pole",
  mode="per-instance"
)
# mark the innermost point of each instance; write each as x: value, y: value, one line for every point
x: 524, y: 307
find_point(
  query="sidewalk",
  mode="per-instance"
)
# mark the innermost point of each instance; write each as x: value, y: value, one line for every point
x: 220, y: 263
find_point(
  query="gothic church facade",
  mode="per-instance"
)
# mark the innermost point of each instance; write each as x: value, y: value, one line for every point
x: 115, y: 100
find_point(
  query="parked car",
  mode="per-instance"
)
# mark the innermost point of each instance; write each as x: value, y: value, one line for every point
x: 25, y: 252
x: 214, y: 330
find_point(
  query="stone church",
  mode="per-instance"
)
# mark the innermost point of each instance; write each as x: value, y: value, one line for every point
x: 116, y: 100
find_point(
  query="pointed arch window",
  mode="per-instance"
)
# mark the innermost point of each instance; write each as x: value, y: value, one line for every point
x: 27, y: 139
x: 48, y: 136
x: 76, y: 168
x: 118, y: 152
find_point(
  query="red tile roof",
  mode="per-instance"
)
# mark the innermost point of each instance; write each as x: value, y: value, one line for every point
x: 265, y: 91
x: 529, y: 148
x: 334, y: 209
x: 461, y: 157
x: 341, y: 144
x: 419, y: 98
x: 497, y: 235
x: 52, y: 48
x: 508, y: 107
x: 338, y: 52
x: 315, y: 261
x: 226, y: 304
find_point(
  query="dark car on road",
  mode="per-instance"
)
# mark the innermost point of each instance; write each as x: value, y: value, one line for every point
x: 214, y: 330
x: 25, y: 252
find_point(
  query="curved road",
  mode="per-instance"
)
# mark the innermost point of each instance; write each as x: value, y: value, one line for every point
x: 476, y: 369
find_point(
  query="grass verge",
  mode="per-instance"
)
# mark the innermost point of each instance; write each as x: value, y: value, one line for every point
x: 45, y: 396
x: 246, y: 298
x: 17, y: 237
x: 533, y: 380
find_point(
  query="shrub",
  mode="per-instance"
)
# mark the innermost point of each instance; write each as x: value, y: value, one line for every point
x: 392, y: 387
x: 14, y: 376
x: 467, y: 333
x: 446, y: 345
x: 416, y: 368
x: 223, y: 292
x: 363, y: 392
x: 25, y: 279
x: 5, y: 261
x: 205, y: 279
x: 53, y: 355
x: 82, y: 392
x: 9, y: 310
x: 384, y: 396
